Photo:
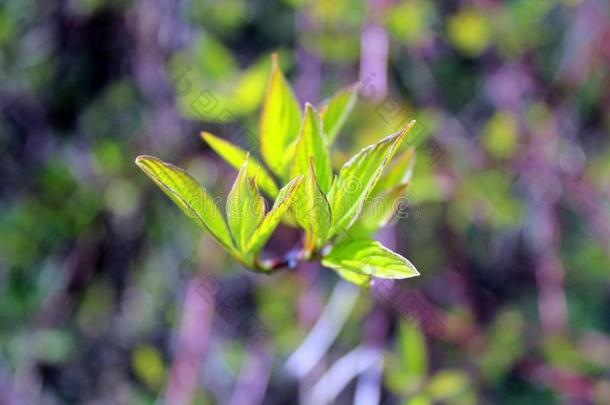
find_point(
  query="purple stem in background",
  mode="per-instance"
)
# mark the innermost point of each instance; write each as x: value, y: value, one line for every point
x: 374, y: 47
x: 309, y: 79
x: 374, y: 79
x: 544, y: 186
x: 592, y: 204
x: 253, y: 379
x: 341, y: 373
x: 193, y: 343
x: 311, y: 300
x: 307, y: 86
x: 552, y: 302
x: 157, y: 31
x: 368, y: 388
x: 325, y: 331
x: 6, y: 385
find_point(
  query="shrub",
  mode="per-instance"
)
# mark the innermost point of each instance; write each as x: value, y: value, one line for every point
x: 338, y: 213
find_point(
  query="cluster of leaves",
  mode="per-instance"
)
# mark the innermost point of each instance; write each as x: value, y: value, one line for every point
x: 337, y: 212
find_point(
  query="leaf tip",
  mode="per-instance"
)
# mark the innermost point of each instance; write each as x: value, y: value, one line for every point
x: 142, y: 159
x: 275, y: 59
x: 407, y: 128
x: 207, y: 136
x: 402, y: 134
x: 244, y: 167
x: 297, y: 181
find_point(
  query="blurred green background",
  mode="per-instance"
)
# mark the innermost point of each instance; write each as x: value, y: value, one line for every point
x: 507, y: 220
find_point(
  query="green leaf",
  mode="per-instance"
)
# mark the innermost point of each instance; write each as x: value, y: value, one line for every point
x: 263, y: 232
x: 312, y: 210
x: 369, y: 257
x: 280, y: 119
x: 407, y: 368
x: 245, y: 208
x: 419, y: 399
x: 357, y: 178
x: 359, y: 279
x: 448, y: 384
x: 236, y: 157
x: 288, y: 159
x: 413, y: 352
x: 311, y: 144
x: 335, y: 113
x: 397, y: 174
x: 378, y: 210
x: 187, y: 194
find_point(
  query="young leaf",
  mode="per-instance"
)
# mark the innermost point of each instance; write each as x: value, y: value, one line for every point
x: 397, y: 174
x: 311, y: 144
x: 280, y: 119
x: 245, y: 208
x: 312, y: 210
x: 335, y: 113
x: 357, y: 178
x: 236, y: 157
x: 360, y: 280
x: 413, y: 352
x: 187, y: 194
x: 369, y: 257
x: 287, y: 160
x: 263, y: 232
x: 378, y: 210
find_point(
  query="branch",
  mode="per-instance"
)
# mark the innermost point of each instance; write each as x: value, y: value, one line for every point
x: 253, y: 379
x: 325, y: 331
x: 192, y: 344
x: 341, y: 373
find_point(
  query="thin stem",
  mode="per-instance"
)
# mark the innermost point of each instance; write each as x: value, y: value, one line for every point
x: 342, y: 372
x: 290, y: 261
x: 325, y: 331
x: 193, y: 341
x: 254, y: 378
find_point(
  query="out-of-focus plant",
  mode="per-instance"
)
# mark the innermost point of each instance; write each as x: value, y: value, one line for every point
x: 337, y: 212
x: 408, y: 373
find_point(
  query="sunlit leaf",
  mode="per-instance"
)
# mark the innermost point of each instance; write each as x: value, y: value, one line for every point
x: 470, y: 31
x: 397, y: 174
x: 280, y: 119
x: 217, y: 90
x: 408, y: 21
x: 358, y: 177
x: 263, y: 232
x: 287, y: 159
x: 447, y: 384
x: 250, y: 87
x: 312, y: 210
x: 407, y: 368
x: 186, y: 192
x: 148, y: 366
x: 335, y: 113
x: 419, y: 399
x: 413, y: 352
x: 311, y: 144
x: 360, y: 280
x: 245, y: 208
x: 378, y: 210
x: 501, y: 134
x: 369, y: 257
x: 236, y: 157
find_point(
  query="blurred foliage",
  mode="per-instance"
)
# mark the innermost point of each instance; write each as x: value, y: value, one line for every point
x: 511, y: 179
